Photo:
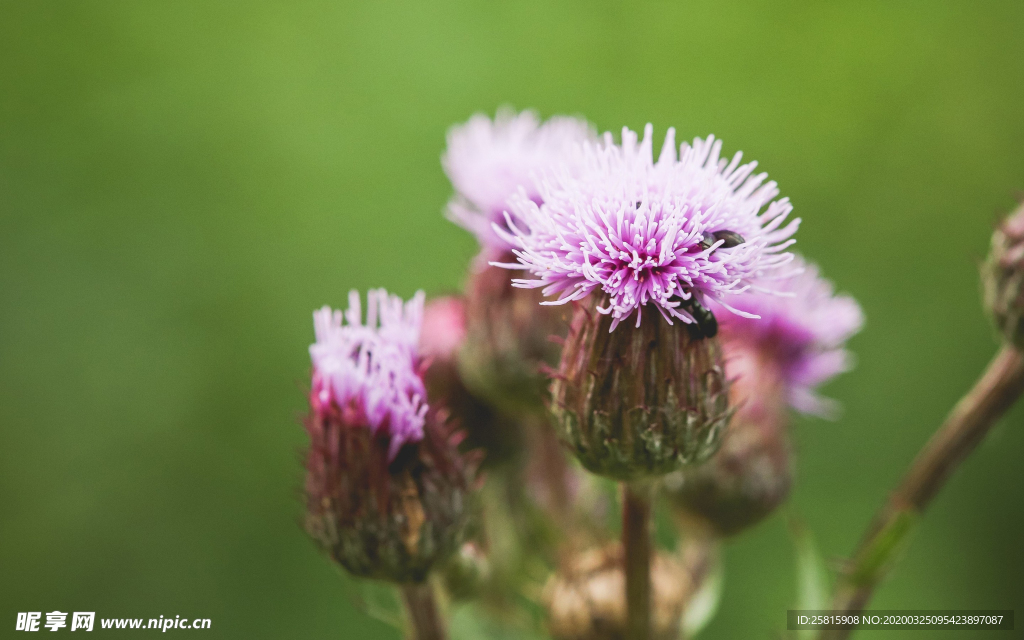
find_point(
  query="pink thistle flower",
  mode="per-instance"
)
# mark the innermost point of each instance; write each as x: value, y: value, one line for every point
x: 673, y: 233
x: 369, y: 373
x: 800, y: 335
x: 488, y: 161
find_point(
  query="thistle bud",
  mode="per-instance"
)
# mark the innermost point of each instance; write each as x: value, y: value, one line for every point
x: 775, y: 363
x: 499, y: 437
x: 638, y: 401
x: 1002, y: 277
x: 586, y: 601
x: 739, y: 486
x: 508, y: 342
x: 466, y: 573
x: 386, y: 487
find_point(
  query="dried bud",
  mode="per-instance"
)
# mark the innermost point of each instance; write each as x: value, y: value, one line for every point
x: 508, y: 340
x: 386, y: 487
x: 638, y: 401
x: 498, y: 436
x: 586, y: 601
x: 1002, y: 277
x: 751, y: 474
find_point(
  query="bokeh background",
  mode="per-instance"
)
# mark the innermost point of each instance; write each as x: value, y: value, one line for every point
x: 181, y: 183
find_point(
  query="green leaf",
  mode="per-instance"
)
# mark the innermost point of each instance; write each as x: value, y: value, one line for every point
x: 812, y: 577
x: 704, y: 604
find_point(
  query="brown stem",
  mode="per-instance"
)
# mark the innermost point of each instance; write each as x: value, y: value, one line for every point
x: 972, y: 417
x: 637, y: 547
x: 423, y: 614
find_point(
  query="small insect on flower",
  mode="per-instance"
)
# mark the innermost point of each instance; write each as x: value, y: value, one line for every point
x: 386, y: 485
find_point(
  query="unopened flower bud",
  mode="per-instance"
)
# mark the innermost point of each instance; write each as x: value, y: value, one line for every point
x: 775, y: 362
x: 499, y: 437
x: 1003, y: 278
x: 509, y: 340
x: 466, y: 572
x: 386, y: 487
x: 638, y: 401
x: 739, y: 486
x: 751, y: 474
x: 586, y: 600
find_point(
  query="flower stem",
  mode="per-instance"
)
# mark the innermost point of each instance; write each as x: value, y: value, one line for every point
x: 637, y: 547
x: 423, y: 614
x: 972, y: 417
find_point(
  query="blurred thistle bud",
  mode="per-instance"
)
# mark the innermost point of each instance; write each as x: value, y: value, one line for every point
x: 386, y: 487
x: 466, y: 572
x: 586, y: 600
x: 743, y: 483
x: 510, y: 338
x: 638, y: 401
x: 1002, y: 277
x: 487, y: 430
x: 774, y: 363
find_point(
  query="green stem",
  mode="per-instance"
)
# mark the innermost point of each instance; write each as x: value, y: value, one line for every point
x: 637, y: 548
x: 972, y: 417
x: 423, y: 613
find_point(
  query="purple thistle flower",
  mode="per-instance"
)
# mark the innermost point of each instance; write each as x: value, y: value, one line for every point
x: 683, y: 230
x: 488, y: 161
x: 369, y: 373
x: 800, y: 334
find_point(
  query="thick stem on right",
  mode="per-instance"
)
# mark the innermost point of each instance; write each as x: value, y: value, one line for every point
x: 995, y: 392
x: 638, y: 550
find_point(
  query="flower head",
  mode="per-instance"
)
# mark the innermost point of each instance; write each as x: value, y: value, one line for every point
x: 800, y: 334
x: 488, y: 161
x: 1002, y: 278
x: 369, y: 373
x: 673, y: 233
x: 380, y: 508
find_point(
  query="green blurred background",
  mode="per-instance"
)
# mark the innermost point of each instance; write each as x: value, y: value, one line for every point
x: 181, y: 183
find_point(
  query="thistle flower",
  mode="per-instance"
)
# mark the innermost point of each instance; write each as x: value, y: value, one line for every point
x: 620, y: 233
x: 773, y: 362
x: 370, y: 370
x: 488, y: 161
x: 385, y: 485
x: 507, y: 334
x: 799, y: 335
x: 674, y: 233
x: 1003, y: 279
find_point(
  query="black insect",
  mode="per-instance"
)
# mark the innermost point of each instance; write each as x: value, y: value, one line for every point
x: 706, y: 325
x: 729, y: 239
